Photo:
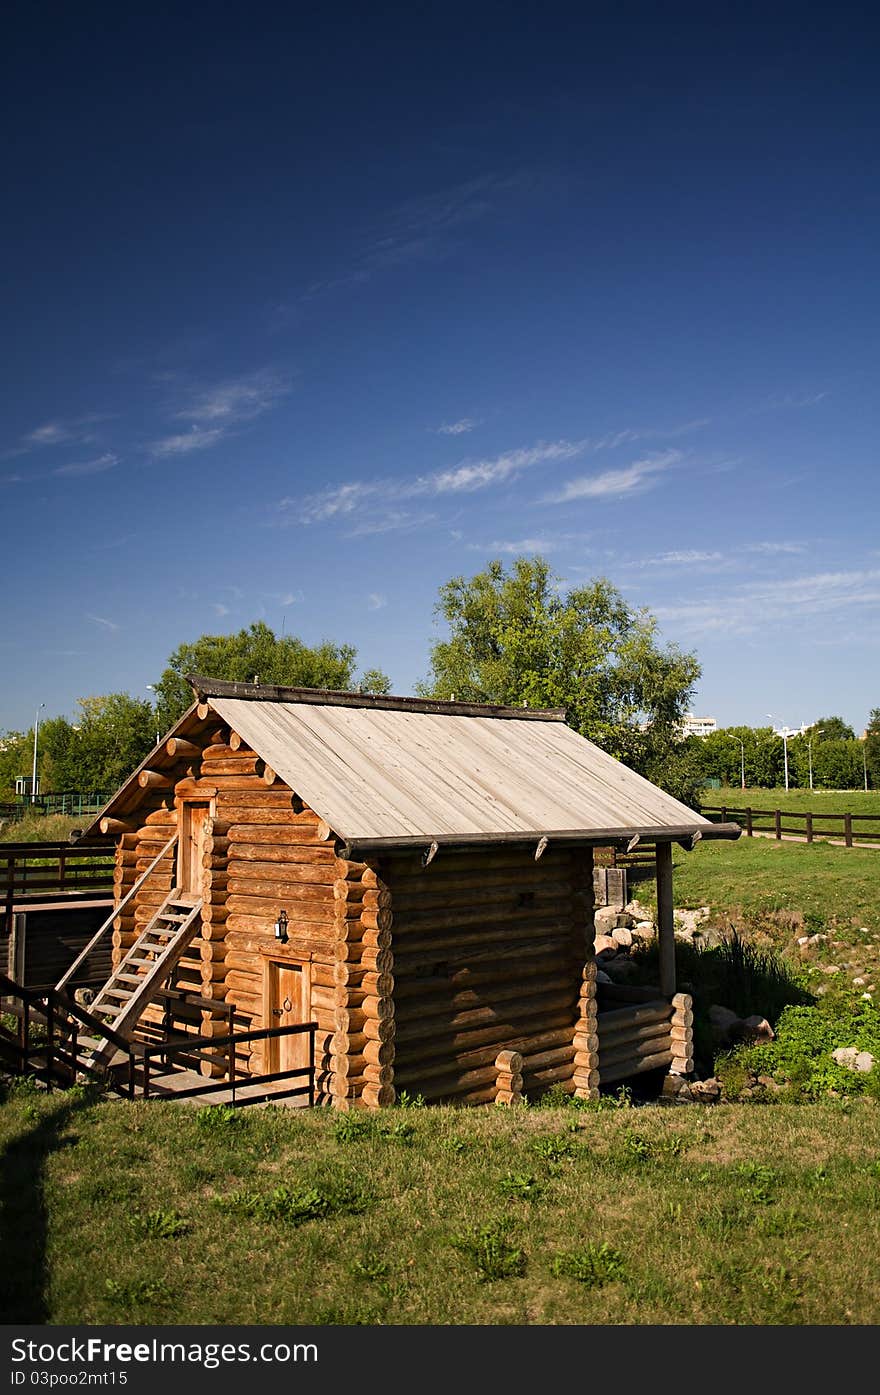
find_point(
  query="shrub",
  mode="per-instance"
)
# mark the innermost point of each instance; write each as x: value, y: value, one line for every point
x: 492, y: 1253
x: 593, y: 1265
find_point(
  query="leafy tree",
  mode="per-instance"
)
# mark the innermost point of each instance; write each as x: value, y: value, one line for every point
x: 721, y: 756
x: 110, y: 736
x: 516, y: 639
x: 256, y: 652
x: 16, y: 758
x: 831, y: 729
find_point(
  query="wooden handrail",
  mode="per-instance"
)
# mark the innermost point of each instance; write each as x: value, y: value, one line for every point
x: 101, y: 932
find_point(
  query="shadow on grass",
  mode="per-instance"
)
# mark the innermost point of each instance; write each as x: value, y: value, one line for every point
x: 24, y: 1214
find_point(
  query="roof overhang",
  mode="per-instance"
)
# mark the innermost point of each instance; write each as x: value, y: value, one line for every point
x: 688, y: 835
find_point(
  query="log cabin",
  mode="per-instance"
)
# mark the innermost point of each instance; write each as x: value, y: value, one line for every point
x: 414, y: 877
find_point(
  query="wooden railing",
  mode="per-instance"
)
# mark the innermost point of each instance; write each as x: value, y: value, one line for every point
x: 44, y: 870
x: 46, y: 1045
x: 208, y: 1047
x: 102, y: 929
x: 809, y: 824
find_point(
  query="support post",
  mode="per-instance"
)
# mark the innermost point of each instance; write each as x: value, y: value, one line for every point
x: 586, y: 1038
x: 665, y: 919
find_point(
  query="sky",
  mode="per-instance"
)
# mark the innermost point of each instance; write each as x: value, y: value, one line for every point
x: 307, y: 310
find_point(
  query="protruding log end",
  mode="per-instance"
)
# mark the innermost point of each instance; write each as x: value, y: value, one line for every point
x: 154, y: 780
x: 179, y: 749
x: 114, y: 826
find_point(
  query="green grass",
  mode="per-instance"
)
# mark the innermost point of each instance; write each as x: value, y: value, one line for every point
x: 797, y: 801
x: 42, y: 828
x: 757, y: 875
x: 115, y: 1212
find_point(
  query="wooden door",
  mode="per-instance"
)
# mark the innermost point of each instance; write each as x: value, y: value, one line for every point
x: 194, y: 817
x: 287, y: 1006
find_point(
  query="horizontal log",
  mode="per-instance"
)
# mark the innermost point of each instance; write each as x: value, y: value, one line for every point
x: 483, y: 978
x: 307, y: 921
x: 357, y: 872
x: 379, y: 1096
x: 415, y: 911
x: 273, y: 811
x: 114, y: 826
x: 318, y: 902
x: 557, y: 1055
x: 379, y: 961
x: 545, y: 1011
x: 547, y: 1075
x: 644, y: 1031
x: 253, y: 795
x: 608, y: 1075
x: 154, y: 780
x: 444, y: 1000
x: 177, y: 748
x: 500, y: 932
x: 634, y: 1016
x: 371, y: 985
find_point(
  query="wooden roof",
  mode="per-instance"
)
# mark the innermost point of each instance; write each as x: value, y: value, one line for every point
x: 394, y: 772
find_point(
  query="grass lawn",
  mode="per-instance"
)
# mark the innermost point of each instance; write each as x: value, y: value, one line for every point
x: 160, y: 1213
x: 799, y: 801
x: 42, y: 828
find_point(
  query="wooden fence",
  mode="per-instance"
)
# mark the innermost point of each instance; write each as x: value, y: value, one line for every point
x: 72, y: 802
x: 811, y: 825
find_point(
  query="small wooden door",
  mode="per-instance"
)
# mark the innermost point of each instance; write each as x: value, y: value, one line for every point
x: 194, y: 816
x: 287, y: 1002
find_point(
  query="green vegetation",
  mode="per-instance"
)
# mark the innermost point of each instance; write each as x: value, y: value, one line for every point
x: 753, y: 877
x: 119, y: 1212
x: 516, y: 638
x: 796, y: 801
x: 41, y: 828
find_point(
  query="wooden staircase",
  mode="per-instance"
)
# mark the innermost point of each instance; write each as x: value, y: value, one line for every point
x: 144, y: 969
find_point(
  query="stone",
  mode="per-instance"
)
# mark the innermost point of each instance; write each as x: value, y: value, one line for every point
x: 706, y: 1091
x: 864, y: 1062
x: 622, y: 936
x: 605, y: 919
x: 605, y: 945
x: 803, y: 940
x: 644, y: 930
x: 845, y: 1056
x: 723, y: 1023
x: 768, y: 1083
x: 858, y: 982
x: 637, y: 910
x: 756, y: 1029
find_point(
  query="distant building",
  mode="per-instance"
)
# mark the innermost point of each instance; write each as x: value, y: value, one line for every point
x: 698, y: 726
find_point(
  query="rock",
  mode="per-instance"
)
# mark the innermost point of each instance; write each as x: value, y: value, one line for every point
x: 756, y: 1029
x: 869, y: 997
x: 858, y: 982
x: 622, y: 936
x: 830, y: 968
x: 605, y: 945
x: 637, y: 910
x: 864, y: 1062
x: 846, y: 1056
x: 676, y: 1089
x: 605, y: 919
x: 768, y: 1083
x: 644, y: 930
x: 706, y: 1091
x: 803, y: 940
x: 723, y: 1023
x: 84, y: 996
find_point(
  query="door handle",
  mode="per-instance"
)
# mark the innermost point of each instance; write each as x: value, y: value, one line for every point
x: 277, y: 1012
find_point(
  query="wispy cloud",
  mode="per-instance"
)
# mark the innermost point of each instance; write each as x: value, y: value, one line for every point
x: 237, y: 399
x: 794, y: 399
x: 104, y: 622
x: 197, y: 438
x: 89, y: 467
x: 220, y: 609
x: 427, y: 229
x: 612, y: 484
x: 545, y: 542
x: 465, y: 478
x: 772, y: 549
x: 759, y: 605
x: 457, y: 428
x: 376, y: 601
x: 688, y: 557
x: 391, y: 521
x: 76, y: 430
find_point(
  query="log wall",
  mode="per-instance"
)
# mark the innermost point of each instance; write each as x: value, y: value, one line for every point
x: 489, y: 953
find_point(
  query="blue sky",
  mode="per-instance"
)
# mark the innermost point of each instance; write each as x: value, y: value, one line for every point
x: 308, y: 311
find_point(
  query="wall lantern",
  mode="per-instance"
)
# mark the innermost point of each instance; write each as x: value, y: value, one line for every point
x: 281, y: 927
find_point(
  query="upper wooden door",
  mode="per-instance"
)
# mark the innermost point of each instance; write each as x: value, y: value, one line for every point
x: 194, y: 817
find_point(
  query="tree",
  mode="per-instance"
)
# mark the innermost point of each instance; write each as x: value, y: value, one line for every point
x: 16, y: 753
x: 517, y: 640
x: 831, y: 729
x: 872, y: 749
x: 257, y: 653
x: 109, y: 738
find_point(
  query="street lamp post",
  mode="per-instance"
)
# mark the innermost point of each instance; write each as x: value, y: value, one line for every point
x: 742, y: 762
x: 785, y: 733
x: 34, y: 772
x: 151, y: 689
x: 810, y: 752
